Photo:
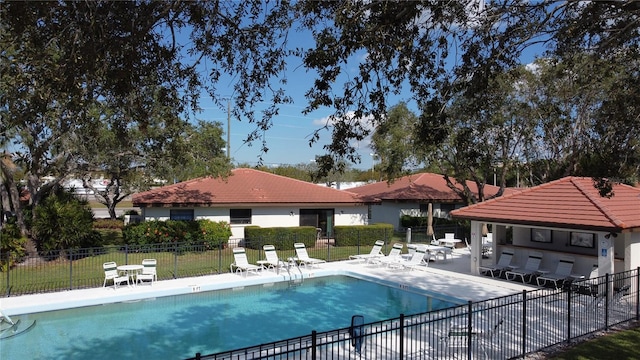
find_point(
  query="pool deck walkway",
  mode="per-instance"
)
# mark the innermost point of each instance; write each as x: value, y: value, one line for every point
x: 451, y: 278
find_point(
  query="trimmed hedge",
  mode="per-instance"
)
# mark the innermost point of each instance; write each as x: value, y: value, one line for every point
x: 282, y: 238
x: 362, y: 234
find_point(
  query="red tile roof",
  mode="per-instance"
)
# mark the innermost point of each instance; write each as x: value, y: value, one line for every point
x: 569, y: 202
x: 417, y: 187
x: 243, y: 186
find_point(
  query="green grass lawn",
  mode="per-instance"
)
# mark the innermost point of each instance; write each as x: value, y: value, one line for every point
x: 86, y: 272
x: 620, y: 345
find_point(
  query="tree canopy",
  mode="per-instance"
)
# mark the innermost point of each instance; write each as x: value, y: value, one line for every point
x: 453, y: 56
x: 72, y: 70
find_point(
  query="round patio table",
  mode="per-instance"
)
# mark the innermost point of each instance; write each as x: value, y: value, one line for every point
x: 132, y: 271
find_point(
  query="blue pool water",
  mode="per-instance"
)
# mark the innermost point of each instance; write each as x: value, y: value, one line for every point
x: 177, y: 327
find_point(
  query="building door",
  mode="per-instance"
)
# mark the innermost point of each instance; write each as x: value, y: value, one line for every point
x: 319, y: 218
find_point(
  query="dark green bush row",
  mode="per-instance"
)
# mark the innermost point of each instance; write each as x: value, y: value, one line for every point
x: 199, y: 232
x: 362, y: 234
x: 281, y: 237
x: 408, y: 221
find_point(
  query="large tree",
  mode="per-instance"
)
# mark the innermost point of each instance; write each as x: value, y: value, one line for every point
x: 393, y: 142
x: 59, y: 60
x: 68, y: 66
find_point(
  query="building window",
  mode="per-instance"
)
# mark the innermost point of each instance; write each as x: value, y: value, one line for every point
x: 181, y: 214
x: 240, y: 216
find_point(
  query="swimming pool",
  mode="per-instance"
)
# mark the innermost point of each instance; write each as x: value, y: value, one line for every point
x: 179, y: 326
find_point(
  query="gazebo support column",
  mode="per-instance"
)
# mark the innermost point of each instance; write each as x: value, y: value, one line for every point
x: 476, y: 247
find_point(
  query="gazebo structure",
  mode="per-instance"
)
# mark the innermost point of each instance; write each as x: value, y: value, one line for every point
x: 566, y: 217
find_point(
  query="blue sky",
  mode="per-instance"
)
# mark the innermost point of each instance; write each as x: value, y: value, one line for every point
x: 288, y: 139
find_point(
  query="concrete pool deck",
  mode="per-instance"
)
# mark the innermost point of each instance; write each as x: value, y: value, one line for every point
x: 450, y: 278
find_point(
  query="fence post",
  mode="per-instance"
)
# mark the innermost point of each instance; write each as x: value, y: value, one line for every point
x: 221, y: 244
x: 469, y: 327
x: 329, y: 249
x: 607, y: 279
x: 401, y: 336
x: 638, y: 293
x: 524, y: 322
x: 126, y: 254
x: 71, y: 269
x: 314, y: 341
x: 569, y: 314
x: 175, y: 261
x: 8, y: 271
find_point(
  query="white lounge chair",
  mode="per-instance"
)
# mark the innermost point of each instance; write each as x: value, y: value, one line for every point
x: 503, y: 264
x: 417, y: 260
x: 111, y: 273
x: 302, y: 257
x: 531, y: 268
x: 394, y: 257
x: 272, y: 260
x: 376, y: 251
x: 562, y: 273
x: 241, y: 264
x: 148, y: 271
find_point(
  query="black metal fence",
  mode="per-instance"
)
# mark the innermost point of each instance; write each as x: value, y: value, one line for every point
x: 82, y: 268
x: 502, y: 328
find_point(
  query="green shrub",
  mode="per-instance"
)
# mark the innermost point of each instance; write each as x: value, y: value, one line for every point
x: 213, y: 233
x: 408, y: 221
x: 11, y: 245
x: 62, y: 222
x: 200, y: 232
x: 362, y: 234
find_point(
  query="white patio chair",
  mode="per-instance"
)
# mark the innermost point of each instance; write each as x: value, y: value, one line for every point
x: 241, y: 264
x: 272, y: 260
x: 417, y: 260
x: 562, y: 273
x: 148, y: 271
x: 503, y: 264
x: 111, y: 273
x: 394, y: 257
x: 531, y: 268
x: 376, y: 251
x: 302, y: 257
